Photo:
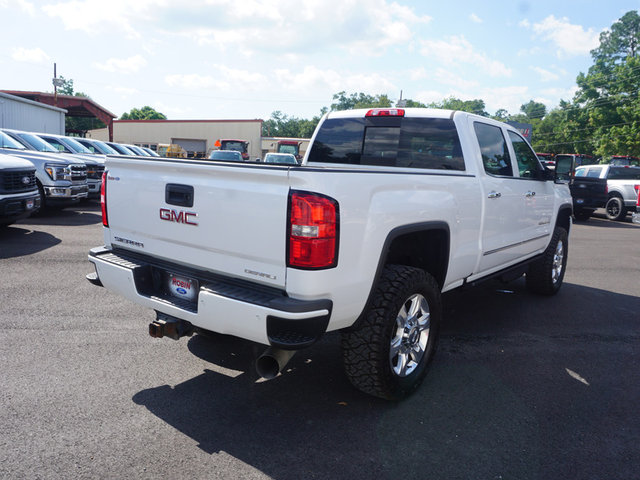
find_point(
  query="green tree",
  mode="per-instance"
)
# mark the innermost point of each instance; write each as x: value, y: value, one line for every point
x: 282, y: 125
x: 621, y: 42
x: 413, y: 104
x: 607, y: 98
x: 472, y: 106
x: 534, y: 110
x: 144, y: 113
x: 79, y: 125
x: 359, y: 100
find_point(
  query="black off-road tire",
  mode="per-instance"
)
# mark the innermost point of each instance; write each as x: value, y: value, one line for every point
x: 545, y: 275
x: 366, y: 351
x: 615, y: 208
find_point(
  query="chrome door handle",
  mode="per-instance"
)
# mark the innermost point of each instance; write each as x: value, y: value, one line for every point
x: 494, y: 195
x: 530, y: 194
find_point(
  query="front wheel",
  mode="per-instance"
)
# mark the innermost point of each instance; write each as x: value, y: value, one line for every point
x: 388, y: 355
x: 615, y: 209
x: 545, y: 275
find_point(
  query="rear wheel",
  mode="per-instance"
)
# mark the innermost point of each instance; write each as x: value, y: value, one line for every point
x: 615, y: 208
x: 545, y: 275
x: 388, y: 355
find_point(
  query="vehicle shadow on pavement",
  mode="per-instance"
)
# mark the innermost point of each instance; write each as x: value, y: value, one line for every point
x: 18, y: 242
x: 70, y: 216
x: 492, y: 405
x: 601, y: 221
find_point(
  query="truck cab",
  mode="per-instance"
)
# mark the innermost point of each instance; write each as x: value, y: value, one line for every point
x: 241, y: 146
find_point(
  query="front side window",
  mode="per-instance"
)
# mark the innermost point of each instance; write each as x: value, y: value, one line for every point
x: 495, y: 155
x: 57, y: 144
x: 528, y: 164
x: 428, y: 143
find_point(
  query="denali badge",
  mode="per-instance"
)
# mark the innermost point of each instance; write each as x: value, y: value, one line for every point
x: 179, y: 216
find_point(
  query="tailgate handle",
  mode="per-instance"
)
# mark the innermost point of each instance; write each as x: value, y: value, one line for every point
x: 179, y: 195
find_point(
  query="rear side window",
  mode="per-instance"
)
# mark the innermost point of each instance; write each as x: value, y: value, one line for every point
x: 594, y: 172
x: 624, y: 173
x: 430, y: 143
x: 495, y: 155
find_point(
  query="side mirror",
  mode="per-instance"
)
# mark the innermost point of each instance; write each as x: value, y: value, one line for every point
x: 564, y: 170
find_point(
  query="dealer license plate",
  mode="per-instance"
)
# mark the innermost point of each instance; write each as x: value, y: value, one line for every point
x: 182, y: 287
x: 29, y: 204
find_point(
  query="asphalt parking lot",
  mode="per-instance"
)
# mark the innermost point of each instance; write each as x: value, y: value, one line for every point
x: 522, y: 387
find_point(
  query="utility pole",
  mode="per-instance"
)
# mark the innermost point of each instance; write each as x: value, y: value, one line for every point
x: 57, y: 82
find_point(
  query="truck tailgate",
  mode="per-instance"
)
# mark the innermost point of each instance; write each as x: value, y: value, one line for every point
x: 233, y: 224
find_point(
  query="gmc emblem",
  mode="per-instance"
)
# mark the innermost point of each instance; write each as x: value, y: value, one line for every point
x: 178, y: 216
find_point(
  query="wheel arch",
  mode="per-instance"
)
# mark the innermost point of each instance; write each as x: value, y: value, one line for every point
x: 424, y: 245
x: 564, y: 218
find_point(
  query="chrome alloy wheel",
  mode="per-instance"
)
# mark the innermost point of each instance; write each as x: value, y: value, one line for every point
x: 409, y: 342
x: 558, y: 260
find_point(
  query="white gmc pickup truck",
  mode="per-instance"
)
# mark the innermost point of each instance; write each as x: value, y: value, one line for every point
x: 388, y: 209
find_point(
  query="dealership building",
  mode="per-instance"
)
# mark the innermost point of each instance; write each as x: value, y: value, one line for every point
x: 197, y: 137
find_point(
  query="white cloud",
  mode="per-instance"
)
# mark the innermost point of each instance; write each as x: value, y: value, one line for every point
x: 475, y: 18
x: 32, y: 55
x: 458, y: 50
x: 446, y: 77
x: 545, y: 75
x: 195, y: 81
x: 509, y: 98
x: 123, y: 91
x: 96, y: 16
x: 122, y: 65
x: 570, y: 39
x: 249, y: 26
x: 225, y: 79
x: 312, y: 78
x: 26, y: 7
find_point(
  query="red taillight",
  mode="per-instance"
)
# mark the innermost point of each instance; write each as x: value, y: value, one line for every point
x: 385, y: 112
x: 637, y: 187
x: 103, y: 199
x: 313, y: 231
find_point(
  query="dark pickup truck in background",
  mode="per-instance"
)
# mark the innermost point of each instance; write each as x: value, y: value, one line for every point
x: 588, y: 193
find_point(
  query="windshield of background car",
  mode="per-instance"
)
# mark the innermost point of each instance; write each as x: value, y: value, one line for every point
x: 7, y: 142
x: 430, y: 143
x: 218, y: 155
x: 237, y: 146
x: 37, y: 143
x: 106, y: 149
x: 293, y: 149
x: 280, y: 158
x: 77, y: 146
x: 624, y: 173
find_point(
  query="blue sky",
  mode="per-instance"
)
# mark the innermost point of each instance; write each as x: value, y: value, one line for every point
x: 230, y: 59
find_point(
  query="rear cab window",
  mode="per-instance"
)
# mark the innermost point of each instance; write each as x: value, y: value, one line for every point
x: 404, y: 142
